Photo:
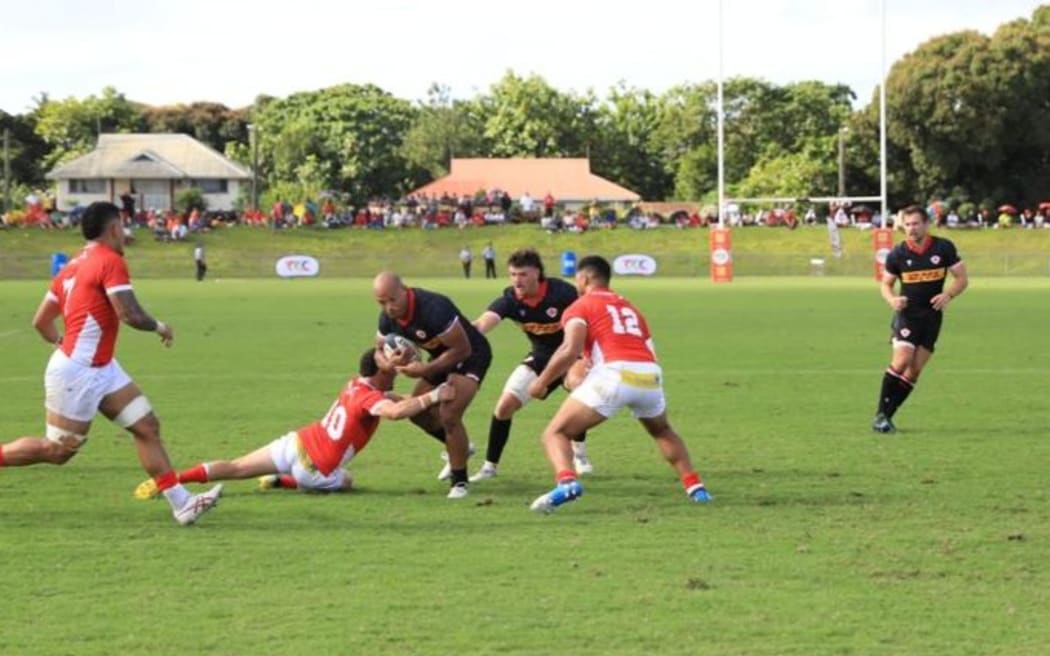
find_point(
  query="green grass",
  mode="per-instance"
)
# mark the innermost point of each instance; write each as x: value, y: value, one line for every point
x: 251, y: 252
x: 824, y: 538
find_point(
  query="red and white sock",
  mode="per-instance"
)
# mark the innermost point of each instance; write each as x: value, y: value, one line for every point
x: 196, y: 474
x: 168, y: 485
x: 691, y: 481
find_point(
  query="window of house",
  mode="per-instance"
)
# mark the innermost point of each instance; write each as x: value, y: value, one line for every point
x: 211, y: 185
x: 87, y: 186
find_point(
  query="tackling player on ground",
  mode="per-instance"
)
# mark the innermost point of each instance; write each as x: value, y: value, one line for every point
x: 624, y: 372
x: 93, y: 296
x: 921, y: 264
x: 314, y: 457
x: 537, y: 303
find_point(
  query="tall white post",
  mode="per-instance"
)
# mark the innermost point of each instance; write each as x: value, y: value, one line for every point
x: 882, y: 118
x: 721, y: 118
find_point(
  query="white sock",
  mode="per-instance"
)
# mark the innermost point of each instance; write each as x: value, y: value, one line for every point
x: 579, y: 448
x: 491, y: 465
x: 177, y: 496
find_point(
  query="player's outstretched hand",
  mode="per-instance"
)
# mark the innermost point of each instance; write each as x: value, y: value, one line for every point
x: 446, y: 392
x: 413, y: 369
x: 403, y: 356
x: 167, y: 335
x: 899, y: 303
x: 940, y: 301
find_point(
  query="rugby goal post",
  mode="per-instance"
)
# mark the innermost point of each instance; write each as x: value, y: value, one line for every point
x: 721, y: 257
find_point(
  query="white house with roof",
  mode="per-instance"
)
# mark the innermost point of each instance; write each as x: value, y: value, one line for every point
x: 153, y: 168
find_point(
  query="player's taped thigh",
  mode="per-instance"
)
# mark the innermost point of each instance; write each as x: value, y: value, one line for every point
x: 134, y: 411
x: 518, y: 383
x: 64, y: 437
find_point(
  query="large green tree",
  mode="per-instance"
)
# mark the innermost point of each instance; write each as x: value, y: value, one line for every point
x: 622, y: 146
x: 443, y: 128
x: 71, y: 127
x: 764, y: 123
x: 346, y: 138
x: 526, y: 117
x: 211, y: 123
x: 26, y: 150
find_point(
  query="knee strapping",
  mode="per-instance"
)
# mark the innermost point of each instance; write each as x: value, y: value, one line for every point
x: 135, y: 410
x: 65, y: 437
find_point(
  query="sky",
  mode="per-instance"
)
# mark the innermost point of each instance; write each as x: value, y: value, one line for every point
x: 230, y: 51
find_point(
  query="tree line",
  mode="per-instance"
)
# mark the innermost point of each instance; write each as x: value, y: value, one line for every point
x: 968, y: 117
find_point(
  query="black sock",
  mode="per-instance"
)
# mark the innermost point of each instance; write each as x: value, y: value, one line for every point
x: 459, y: 476
x: 886, y: 394
x: 900, y: 393
x: 438, y: 434
x: 581, y: 438
x: 499, y: 433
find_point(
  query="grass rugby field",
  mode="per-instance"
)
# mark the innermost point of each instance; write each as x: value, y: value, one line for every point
x: 823, y: 539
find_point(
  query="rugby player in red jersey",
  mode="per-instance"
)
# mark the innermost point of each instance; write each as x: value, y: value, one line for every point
x: 624, y: 373
x: 314, y: 457
x: 93, y: 295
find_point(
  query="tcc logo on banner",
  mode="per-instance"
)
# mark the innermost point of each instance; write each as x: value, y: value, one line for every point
x: 297, y: 266
x: 634, y: 265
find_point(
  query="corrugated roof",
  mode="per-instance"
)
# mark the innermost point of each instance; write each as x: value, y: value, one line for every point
x: 150, y: 156
x: 567, y: 179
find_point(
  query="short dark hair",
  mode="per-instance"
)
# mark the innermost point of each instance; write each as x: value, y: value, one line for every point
x: 96, y: 217
x: 916, y: 209
x: 368, y: 367
x: 597, y: 266
x: 526, y: 257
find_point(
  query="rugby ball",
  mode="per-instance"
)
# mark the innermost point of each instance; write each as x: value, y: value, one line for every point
x: 394, y: 342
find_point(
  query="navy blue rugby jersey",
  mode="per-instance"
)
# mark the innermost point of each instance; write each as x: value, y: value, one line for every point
x: 430, y: 315
x: 540, y: 318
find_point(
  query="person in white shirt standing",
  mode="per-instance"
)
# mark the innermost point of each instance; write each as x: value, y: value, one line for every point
x: 465, y: 259
x: 489, y: 255
x: 198, y: 257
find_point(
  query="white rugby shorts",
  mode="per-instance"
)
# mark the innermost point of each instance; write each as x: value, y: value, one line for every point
x: 75, y: 390
x: 614, y: 385
x: 289, y: 457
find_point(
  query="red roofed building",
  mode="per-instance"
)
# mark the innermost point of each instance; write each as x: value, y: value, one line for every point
x: 569, y: 180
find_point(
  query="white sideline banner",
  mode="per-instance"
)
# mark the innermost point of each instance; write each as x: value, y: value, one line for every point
x: 634, y: 265
x: 298, y: 266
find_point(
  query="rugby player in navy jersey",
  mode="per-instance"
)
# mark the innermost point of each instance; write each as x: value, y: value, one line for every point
x: 458, y: 355
x: 921, y: 263
x: 536, y: 303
